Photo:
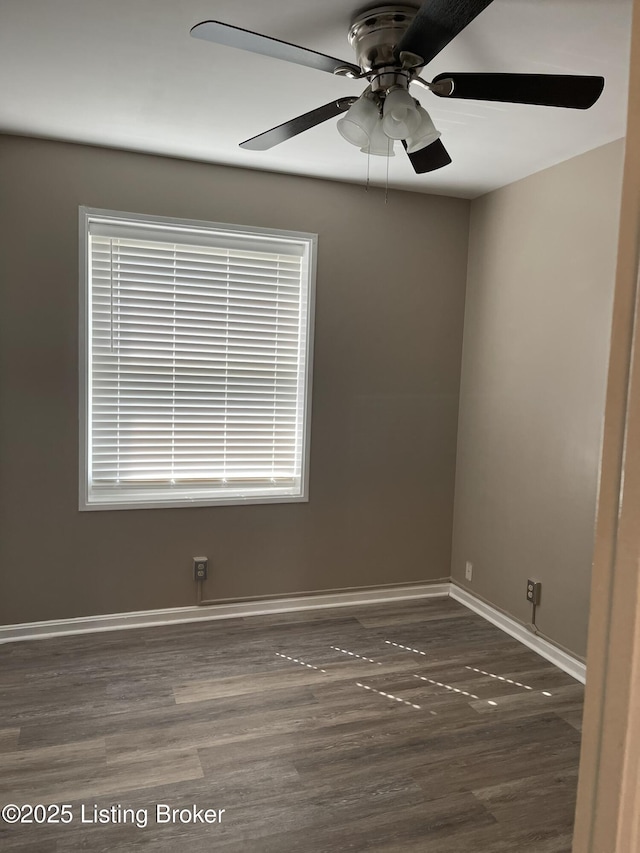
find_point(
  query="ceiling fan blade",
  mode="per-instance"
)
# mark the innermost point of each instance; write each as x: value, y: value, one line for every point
x: 255, y: 43
x: 549, y: 90
x: 428, y: 159
x: 297, y: 125
x: 437, y: 23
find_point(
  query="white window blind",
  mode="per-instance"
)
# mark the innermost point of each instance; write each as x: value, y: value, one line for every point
x: 197, y: 363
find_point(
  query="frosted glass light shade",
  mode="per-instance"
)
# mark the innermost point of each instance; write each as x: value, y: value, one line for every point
x: 424, y: 135
x: 379, y: 143
x: 359, y: 121
x: 400, y: 117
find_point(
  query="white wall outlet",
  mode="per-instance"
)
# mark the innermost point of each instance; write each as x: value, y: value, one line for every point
x: 200, y: 568
x: 468, y: 571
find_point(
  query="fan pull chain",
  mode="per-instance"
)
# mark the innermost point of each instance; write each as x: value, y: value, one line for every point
x: 386, y: 185
x: 366, y: 186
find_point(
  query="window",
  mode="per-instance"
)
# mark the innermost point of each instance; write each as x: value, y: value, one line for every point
x: 196, y: 362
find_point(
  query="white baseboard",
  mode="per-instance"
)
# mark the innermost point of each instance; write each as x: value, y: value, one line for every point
x: 380, y: 595
x: 172, y: 615
x: 571, y: 665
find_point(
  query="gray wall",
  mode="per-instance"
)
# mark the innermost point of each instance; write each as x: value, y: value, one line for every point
x: 541, y: 274
x: 390, y: 304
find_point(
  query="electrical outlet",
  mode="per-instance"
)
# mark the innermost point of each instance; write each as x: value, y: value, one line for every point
x: 534, y: 588
x: 200, y: 568
x: 468, y: 571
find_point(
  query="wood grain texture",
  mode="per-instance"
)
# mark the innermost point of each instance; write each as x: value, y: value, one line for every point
x: 9, y: 739
x: 399, y: 727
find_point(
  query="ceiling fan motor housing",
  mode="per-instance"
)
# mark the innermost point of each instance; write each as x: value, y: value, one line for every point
x: 374, y: 35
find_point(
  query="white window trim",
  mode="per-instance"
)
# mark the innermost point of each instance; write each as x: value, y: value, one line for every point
x: 85, y: 504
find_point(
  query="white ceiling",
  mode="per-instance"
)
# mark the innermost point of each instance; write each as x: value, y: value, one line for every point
x: 126, y: 74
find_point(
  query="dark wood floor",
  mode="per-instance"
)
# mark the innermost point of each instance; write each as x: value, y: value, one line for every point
x: 439, y: 734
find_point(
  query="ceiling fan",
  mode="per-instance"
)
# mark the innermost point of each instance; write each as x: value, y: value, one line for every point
x: 392, y: 45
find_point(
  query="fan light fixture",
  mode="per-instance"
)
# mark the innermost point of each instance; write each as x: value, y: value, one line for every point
x: 402, y: 118
x: 380, y: 144
x: 357, y: 125
x: 425, y: 135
